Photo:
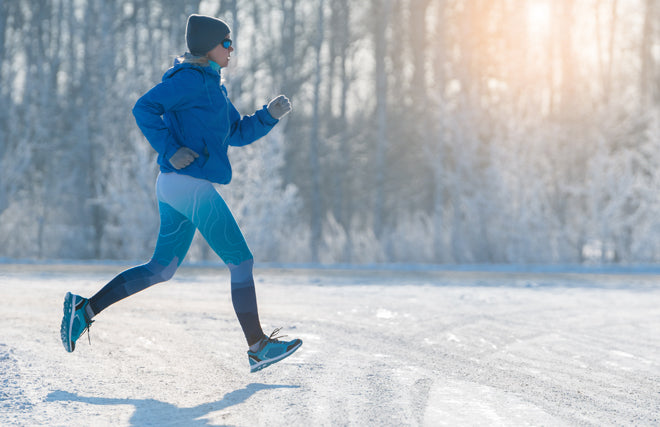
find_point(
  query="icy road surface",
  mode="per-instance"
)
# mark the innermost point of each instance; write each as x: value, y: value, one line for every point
x: 380, y: 348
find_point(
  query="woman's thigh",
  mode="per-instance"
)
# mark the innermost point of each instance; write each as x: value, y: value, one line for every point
x: 199, y: 201
x: 174, y: 238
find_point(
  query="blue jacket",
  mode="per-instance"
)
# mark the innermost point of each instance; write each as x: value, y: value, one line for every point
x: 190, y: 108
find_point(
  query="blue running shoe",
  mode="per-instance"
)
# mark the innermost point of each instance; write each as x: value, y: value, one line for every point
x: 75, y: 321
x: 271, y: 351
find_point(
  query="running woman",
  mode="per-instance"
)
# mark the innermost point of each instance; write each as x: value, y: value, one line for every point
x: 190, y: 122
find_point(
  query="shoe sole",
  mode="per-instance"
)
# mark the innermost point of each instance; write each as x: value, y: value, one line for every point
x: 66, y: 327
x: 266, y: 363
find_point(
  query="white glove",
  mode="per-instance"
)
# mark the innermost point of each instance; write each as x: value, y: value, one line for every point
x: 279, y: 107
x: 183, y: 157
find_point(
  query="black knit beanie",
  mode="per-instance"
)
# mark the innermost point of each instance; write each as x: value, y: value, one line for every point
x: 203, y: 33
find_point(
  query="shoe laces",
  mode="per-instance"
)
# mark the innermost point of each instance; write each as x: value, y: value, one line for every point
x: 271, y: 338
x: 274, y: 338
x: 89, y: 336
x: 88, y: 322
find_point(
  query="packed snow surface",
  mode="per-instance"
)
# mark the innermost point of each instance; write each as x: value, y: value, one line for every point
x: 381, y: 347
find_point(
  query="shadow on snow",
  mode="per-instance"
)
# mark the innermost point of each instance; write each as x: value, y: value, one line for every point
x: 155, y: 412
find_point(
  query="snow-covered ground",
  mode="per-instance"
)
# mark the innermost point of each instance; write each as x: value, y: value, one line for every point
x: 389, y: 347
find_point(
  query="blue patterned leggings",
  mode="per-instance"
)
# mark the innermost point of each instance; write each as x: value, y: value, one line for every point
x: 187, y: 204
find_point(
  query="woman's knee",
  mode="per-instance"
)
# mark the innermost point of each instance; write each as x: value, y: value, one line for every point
x: 242, y: 271
x: 162, y: 272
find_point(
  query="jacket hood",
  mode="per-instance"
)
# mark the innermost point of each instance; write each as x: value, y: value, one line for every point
x: 189, y: 60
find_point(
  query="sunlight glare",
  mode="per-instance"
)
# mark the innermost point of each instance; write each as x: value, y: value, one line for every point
x: 538, y: 18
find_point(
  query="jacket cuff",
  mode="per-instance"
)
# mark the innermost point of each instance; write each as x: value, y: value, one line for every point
x: 171, y: 147
x: 266, y: 118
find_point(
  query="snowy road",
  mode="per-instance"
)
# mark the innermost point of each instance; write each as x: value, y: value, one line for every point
x: 380, y: 348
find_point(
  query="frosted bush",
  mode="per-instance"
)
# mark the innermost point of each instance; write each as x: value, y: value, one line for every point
x: 411, y: 240
x: 334, y: 242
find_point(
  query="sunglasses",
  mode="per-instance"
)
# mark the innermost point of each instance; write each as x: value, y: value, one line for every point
x: 226, y: 43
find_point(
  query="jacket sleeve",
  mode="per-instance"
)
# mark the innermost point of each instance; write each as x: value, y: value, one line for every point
x: 175, y: 93
x: 247, y: 129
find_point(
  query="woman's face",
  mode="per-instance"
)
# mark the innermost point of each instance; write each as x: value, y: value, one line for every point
x: 220, y: 55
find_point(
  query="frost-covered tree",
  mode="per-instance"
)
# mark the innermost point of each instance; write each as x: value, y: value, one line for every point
x: 422, y: 130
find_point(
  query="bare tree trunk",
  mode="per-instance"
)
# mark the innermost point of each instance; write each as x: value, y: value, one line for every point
x: 419, y: 49
x: 335, y: 125
x: 4, y: 13
x: 87, y: 137
x: 316, y: 220
x: 437, y: 156
x: 236, y: 78
x: 381, y: 10
x: 606, y: 66
x: 646, y: 84
x: 3, y: 95
x: 343, y: 198
x: 289, y: 45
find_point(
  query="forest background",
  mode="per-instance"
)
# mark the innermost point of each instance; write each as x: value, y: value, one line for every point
x: 423, y: 131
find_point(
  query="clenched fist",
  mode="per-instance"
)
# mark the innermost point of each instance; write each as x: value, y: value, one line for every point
x: 279, y: 107
x: 183, y: 157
